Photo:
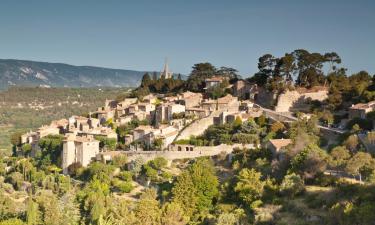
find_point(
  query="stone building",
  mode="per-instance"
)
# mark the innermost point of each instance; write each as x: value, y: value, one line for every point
x: 276, y: 145
x: 214, y: 81
x: 227, y: 103
x: 164, y: 112
x: 361, y: 109
x: 190, y: 99
x: 78, y: 149
x: 242, y: 89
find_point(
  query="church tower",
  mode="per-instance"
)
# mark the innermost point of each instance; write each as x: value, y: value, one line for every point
x: 166, y: 74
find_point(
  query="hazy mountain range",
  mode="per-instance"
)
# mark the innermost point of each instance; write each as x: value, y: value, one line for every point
x: 31, y: 73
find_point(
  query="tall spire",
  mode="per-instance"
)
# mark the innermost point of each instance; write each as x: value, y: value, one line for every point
x: 166, y: 68
x: 165, y: 73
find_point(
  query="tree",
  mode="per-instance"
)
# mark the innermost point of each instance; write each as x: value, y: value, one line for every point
x: 50, y: 211
x: 228, y: 72
x: 360, y: 164
x: 70, y: 209
x: 237, y: 123
x: 196, y: 188
x: 292, y: 185
x: 172, y: 214
x: 26, y: 149
x: 352, y: 142
x: 158, y: 163
x: 200, y: 72
x: 120, y: 161
x: 146, y: 80
x: 249, y: 185
x: 333, y: 58
x: 277, y: 126
x: 15, y: 138
x: 147, y: 210
x: 32, y: 212
x: 339, y: 157
x: 16, y: 179
x: 309, y: 162
x: 12, y: 221
x: 184, y: 194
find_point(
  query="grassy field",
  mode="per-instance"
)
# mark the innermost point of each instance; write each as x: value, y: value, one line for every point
x: 24, y: 108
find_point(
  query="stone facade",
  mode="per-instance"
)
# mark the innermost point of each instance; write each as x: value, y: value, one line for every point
x: 297, y: 100
x: 361, y: 109
x: 78, y: 149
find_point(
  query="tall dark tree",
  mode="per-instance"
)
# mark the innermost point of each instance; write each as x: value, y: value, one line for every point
x: 286, y: 67
x: 231, y: 73
x: 333, y: 58
x: 200, y: 72
x: 146, y: 80
x: 309, y: 66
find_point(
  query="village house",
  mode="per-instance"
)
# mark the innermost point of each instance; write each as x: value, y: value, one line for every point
x: 146, y: 107
x: 151, y: 99
x: 44, y: 131
x: 228, y: 103
x: 361, y: 109
x: 165, y: 112
x: 226, y: 117
x: 105, y: 114
x: 141, y: 131
x: 214, y: 81
x: 148, y: 134
x: 242, y: 89
x: 78, y: 150
x: 126, y: 102
x: 190, y: 99
x: 197, y: 112
x: 276, y: 145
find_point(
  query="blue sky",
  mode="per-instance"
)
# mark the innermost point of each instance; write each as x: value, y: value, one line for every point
x: 140, y: 34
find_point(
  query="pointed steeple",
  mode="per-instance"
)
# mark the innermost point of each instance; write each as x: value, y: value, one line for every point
x: 165, y: 73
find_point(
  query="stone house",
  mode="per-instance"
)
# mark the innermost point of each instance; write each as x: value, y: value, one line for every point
x: 105, y: 114
x: 361, y: 109
x: 78, y: 149
x: 190, y: 99
x: 164, y: 112
x: 47, y: 130
x: 276, y: 145
x: 126, y: 102
x: 227, y: 103
x: 242, y: 89
x: 146, y: 107
x: 151, y: 99
x: 141, y: 131
x: 197, y: 112
x: 214, y: 81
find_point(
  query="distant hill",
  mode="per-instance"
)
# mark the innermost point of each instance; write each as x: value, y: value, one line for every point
x: 30, y: 73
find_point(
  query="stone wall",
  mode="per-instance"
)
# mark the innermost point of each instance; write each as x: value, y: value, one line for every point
x: 198, y: 151
x: 264, y: 97
x: 198, y: 127
x: 297, y: 100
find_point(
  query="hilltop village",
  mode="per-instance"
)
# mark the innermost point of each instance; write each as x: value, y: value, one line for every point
x: 292, y: 144
x: 164, y: 122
